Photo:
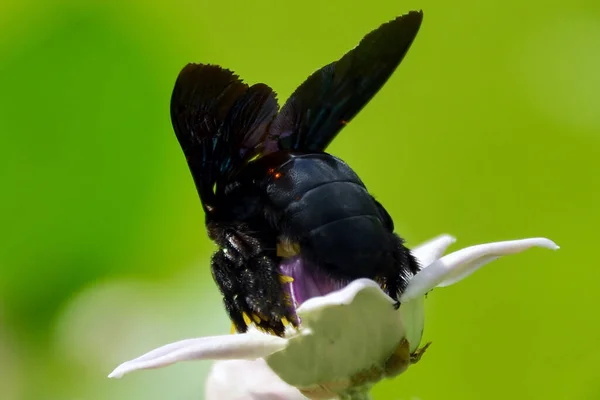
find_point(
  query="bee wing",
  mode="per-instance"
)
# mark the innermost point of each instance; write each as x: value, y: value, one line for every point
x: 220, y: 123
x: 334, y: 94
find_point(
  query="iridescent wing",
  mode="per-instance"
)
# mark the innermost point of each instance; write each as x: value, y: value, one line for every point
x: 220, y: 123
x: 334, y: 94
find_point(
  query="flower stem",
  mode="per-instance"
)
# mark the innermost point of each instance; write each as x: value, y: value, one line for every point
x: 356, y: 396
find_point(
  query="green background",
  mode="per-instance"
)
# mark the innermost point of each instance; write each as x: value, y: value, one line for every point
x: 489, y: 130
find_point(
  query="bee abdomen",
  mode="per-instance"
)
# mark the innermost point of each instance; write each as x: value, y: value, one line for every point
x: 328, y: 203
x: 339, y: 226
x: 355, y: 247
x: 322, y: 205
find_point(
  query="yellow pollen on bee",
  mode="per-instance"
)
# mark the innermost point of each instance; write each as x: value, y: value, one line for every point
x: 247, y: 319
x: 285, y: 321
x: 287, y: 249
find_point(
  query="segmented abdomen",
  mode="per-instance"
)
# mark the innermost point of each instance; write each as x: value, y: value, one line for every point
x: 327, y: 210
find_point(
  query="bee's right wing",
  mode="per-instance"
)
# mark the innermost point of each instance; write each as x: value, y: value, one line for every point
x: 333, y: 95
x: 220, y: 123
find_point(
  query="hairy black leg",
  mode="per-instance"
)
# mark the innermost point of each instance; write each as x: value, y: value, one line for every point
x: 264, y: 293
x: 224, y: 275
x: 247, y: 273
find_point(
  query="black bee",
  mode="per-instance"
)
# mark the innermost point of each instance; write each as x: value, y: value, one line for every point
x: 278, y: 206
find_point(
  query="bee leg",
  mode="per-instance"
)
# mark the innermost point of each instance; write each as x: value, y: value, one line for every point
x: 248, y: 277
x: 224, y: 274
x: 265, y: 295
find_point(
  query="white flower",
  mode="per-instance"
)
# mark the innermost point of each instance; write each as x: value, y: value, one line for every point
x: 247, y: 379
x: 347, y: 341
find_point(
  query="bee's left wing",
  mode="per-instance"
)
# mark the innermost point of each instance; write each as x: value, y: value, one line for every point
x: 333, y: 95
x: 220, y: 123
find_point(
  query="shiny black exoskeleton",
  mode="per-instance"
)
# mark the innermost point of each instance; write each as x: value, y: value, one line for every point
x: 270, y: 191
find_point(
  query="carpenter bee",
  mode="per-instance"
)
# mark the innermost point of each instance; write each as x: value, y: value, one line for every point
x: 291, y: 222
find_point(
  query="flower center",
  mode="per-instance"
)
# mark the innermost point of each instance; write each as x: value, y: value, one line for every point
x: 307, y: 280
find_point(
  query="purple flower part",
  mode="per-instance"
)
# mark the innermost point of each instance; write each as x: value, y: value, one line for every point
x: 309, y: 280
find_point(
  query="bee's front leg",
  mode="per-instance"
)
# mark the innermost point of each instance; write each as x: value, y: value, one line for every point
x: 253, y: 291
x: 224, y: 274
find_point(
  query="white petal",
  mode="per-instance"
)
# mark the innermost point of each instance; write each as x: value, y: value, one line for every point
x: 345, y: 332
x: 242, y: 346
x: 412, y: 314
x: 458, y: 265
x: 433, y: 249
x: 246, y: 379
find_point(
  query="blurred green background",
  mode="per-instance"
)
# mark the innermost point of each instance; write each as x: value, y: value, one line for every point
x: 489, y: 130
